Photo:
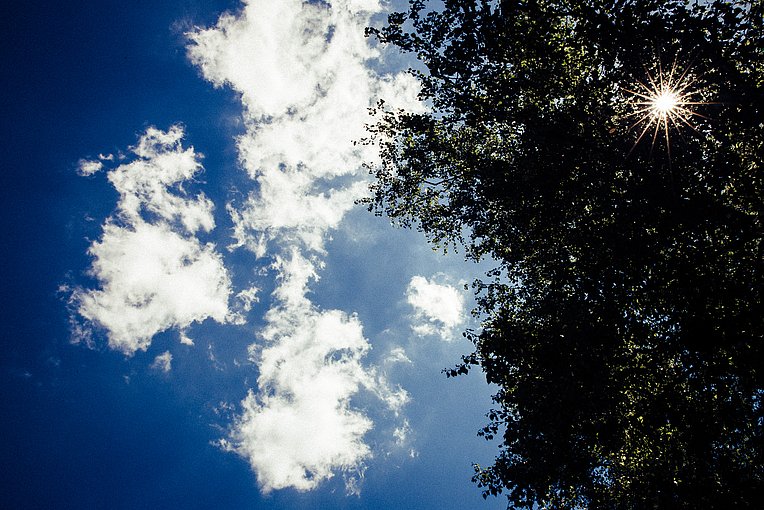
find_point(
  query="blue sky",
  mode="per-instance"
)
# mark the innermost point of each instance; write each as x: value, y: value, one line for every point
x: 195, y: 314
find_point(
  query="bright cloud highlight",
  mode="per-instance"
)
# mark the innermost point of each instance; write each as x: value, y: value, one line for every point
x: 438, y: 308
x: 154, y: 273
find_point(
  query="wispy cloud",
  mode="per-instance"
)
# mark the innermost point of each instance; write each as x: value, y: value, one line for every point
x: 438, y: 307
x: 301, y: 70
x: 153, y: 272
x: 163, y: 362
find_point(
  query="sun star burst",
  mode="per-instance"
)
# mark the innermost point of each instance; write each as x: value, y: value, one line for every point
x: 662, y: 103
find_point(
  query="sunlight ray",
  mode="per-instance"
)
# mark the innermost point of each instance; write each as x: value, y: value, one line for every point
x: 664, y: 101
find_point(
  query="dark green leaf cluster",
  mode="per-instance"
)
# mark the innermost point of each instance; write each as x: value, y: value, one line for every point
x: 624, y: 321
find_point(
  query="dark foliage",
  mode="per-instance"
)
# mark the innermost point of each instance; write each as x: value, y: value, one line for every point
x: 623, y: 322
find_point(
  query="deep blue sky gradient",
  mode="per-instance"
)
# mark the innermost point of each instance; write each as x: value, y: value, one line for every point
x: 91, y: 429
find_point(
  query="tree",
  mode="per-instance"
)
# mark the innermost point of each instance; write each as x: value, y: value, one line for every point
x: 623, y: 322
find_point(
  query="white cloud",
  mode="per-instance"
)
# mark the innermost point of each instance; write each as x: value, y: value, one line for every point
x: 163, y: 362
x: 87, y: 167
x: 438, y: 308
x: 300, y: 427
x: 301, y: 70
x: 285, y: 207
x: 247, y: 298
x: 145, y: 184
x: 154, y: 274
x: 184, y: 338
x: 275, y: 53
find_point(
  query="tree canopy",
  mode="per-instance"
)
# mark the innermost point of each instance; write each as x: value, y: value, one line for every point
x: 623, y: 322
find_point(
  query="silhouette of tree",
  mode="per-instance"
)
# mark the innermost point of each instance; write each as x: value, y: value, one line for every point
x: 623, y: 321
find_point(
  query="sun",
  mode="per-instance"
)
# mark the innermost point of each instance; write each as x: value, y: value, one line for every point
x: 665, y: 101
